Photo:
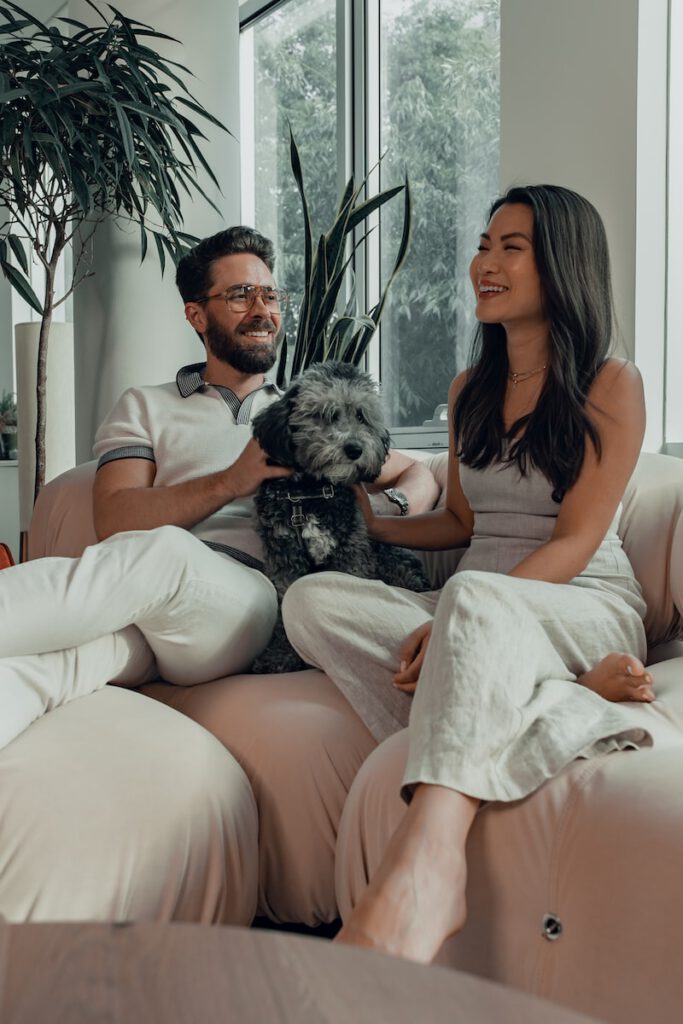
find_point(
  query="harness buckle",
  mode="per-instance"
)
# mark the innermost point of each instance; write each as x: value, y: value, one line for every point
x: 298, y: 517
x: 328, y: 491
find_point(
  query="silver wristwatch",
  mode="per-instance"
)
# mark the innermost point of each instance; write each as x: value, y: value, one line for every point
x: 398, y: 498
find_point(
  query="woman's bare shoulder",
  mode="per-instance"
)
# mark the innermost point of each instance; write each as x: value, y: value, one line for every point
x: 616, y: 373
x: 616, y: 398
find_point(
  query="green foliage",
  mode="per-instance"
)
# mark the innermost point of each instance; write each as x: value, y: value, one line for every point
x: 89, y: 128
x: 440, y: 124
x: 8, y: 410
x: 442, y: 117
x: 295, y: 85
x: 321, y: 333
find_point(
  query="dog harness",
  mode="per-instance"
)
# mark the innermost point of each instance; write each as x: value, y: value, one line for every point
x: 298, y: 518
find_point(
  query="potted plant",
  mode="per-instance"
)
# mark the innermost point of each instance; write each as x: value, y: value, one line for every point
x: 323, y: 331
x: 8, y: 425
x: 94, y: 123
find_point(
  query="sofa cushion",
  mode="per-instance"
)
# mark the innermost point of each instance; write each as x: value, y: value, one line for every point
x: 62, y: 524
x: 650, y: 523
x: 115, y: 808
x: 300, y: 744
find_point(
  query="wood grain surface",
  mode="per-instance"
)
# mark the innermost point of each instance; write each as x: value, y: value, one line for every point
x: 124, y: 974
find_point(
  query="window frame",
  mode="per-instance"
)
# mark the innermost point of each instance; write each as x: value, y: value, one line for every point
x: 358, y: 153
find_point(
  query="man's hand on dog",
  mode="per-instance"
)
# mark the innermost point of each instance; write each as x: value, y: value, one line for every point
x: 252, y: 467
x: 412, y: 654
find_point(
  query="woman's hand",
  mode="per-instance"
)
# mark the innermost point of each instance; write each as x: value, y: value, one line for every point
x: 412, y: 655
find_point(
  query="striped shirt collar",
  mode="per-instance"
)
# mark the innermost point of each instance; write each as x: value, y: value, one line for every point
x: 189, y: 379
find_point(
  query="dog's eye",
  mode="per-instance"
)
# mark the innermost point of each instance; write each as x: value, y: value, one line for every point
x: 334, y: 416
x: 359, y: 416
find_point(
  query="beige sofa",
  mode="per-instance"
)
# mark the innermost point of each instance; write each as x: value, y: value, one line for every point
x: 574, y: 892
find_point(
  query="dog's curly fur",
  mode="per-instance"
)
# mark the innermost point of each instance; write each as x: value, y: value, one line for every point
x: 328, y: 426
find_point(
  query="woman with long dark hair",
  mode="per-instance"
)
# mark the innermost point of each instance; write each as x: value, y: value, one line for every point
x: 545, y: 430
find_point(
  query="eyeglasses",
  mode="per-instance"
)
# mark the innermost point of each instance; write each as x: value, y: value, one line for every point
x: 241, y: 298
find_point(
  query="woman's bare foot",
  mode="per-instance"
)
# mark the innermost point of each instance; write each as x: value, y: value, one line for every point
x: 416, y: 898
x: 620, y: 677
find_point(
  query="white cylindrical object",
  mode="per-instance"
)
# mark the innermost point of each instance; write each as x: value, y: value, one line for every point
x: 60, y: 433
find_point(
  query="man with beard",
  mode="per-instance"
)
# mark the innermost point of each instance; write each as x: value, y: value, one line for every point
x: 174, y: 588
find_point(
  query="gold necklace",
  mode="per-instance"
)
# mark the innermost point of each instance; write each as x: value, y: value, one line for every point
x: 519, y: 378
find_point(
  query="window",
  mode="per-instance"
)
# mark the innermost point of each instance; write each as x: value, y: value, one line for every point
x: 415, y: 82
x: 673, y: 420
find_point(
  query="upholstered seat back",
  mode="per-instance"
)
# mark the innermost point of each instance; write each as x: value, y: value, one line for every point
x: 651, y: 529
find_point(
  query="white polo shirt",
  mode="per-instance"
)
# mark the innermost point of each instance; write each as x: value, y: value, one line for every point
x: 189, y: 429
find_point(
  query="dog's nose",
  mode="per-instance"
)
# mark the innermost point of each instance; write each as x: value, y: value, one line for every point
x: 353, y: 450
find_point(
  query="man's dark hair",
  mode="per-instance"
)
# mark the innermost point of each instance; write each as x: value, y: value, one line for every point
x: 193, y: 275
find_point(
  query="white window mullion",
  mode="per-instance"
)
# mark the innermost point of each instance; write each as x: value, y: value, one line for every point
x: 372, y: 121
x: 247, y: 129
x: 673, y: 422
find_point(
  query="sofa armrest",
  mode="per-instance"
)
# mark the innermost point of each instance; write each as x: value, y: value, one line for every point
x: 62, y: 521
x: 652, y: 509
x: 676, y: 566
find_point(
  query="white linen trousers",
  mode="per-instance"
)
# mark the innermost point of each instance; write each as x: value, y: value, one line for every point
x: 136, y: 606
x: 497, y: 709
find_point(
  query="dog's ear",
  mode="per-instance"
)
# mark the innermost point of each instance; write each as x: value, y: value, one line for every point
x: 271, y: 429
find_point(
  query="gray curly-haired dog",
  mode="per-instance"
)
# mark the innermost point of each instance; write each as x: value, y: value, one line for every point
x: 328, y: 426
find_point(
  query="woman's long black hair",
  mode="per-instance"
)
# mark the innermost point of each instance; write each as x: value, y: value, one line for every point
x: 572, y: 257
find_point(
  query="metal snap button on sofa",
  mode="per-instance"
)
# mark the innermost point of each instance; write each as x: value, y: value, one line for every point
x: 552, y: 927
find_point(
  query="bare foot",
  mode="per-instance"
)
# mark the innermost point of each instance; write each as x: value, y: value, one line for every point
x: 416, y: 898
x: 620, y: 677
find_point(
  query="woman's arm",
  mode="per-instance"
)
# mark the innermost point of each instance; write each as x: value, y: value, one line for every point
x: 412, y: 478
x: 617, y: 405
x: 440, y: 529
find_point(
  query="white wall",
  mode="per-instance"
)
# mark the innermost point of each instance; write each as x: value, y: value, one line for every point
x: 583, y: 104
x: 130, y: 326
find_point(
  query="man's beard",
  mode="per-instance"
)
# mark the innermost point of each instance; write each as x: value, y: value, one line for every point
x: 244, y: 356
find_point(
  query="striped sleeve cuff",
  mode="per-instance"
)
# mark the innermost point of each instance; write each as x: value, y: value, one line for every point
x: 134, y: 451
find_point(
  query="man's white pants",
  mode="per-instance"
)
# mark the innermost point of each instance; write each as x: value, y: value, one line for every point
x: 137, y: 605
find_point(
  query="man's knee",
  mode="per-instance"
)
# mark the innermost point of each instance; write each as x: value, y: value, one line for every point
x: 175, y: 542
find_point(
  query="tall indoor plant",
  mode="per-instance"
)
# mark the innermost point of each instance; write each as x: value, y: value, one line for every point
x: 323, y: 332
x: 93, y: 124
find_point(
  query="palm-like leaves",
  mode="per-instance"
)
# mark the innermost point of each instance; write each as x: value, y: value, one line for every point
x: 322, y: 333
x: 90, y: 128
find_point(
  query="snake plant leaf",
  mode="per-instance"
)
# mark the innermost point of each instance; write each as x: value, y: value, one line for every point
x: 362, y: 212
x: 322, y: 332
x: 336, y: 236
x: 299, y: 179
x: 281, y: 378
x: 341, y: 334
